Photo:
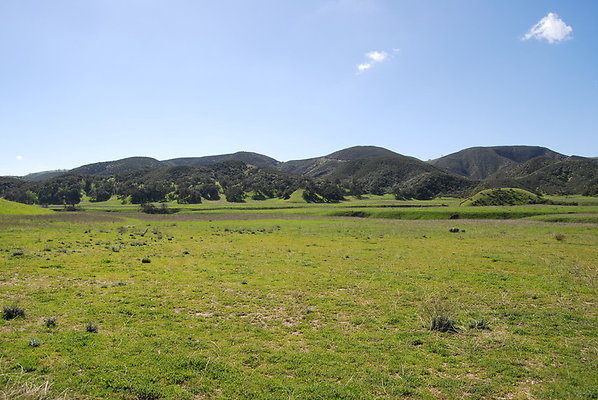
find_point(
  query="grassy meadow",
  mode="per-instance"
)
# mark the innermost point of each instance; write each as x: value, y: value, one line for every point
x: 283, y: 300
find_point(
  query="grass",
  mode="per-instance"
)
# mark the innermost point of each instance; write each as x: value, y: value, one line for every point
x: 296, y: 304
x: 12, y: 208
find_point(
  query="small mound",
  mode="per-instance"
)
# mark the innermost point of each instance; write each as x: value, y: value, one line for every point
x: 503, y: 197
x: 12, y: 208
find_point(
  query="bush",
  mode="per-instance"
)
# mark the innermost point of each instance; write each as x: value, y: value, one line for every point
x: 92, y: 328
x: 149, y: 208
x: 12, y: 312
x: 50, y: 322
x: 34, y: 342
x: 443, y: 323
x: 146, y: 260
x: 438, y: 315
x: 479, y: 324
x: 560, y: 237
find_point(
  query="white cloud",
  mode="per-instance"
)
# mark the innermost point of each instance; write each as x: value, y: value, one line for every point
x: 373, y: 57
x: 376, y: 56
x: 19, y: 158
x: 550, y: 28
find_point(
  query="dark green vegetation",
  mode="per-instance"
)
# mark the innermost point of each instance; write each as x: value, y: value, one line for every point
x: 357, y: 171
x: 272, y: 299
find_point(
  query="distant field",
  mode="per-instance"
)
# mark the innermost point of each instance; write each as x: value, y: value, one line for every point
x: 262, y: 301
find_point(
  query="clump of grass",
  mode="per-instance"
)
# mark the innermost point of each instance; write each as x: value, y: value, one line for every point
x: 12, y: 312
x: 479, y: 324
x: 18, y: 253
x: 443, y: 323
x: 22, y: 386
x: 50, y: 322
x: 115, y: 248
x: 34, y: 342
x: 438, y: 315
x: 146, y: 260
x: 454, y: 230
x: 91, y: 328
x: 560, y: 237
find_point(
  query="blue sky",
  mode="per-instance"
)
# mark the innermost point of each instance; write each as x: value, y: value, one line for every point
x: 86, y: 81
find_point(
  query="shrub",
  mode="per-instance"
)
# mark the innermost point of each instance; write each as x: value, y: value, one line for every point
x: 438, y: 315
x: 443, y: 323
x: 479, y: 324
x: 560, y: 237
x: 146, y: 260
x: 149, y: 208
x: 50, y: 322
x: 454, y: 230
x: 92, y: 328
x: 12, y: 312
x: 34, y: 342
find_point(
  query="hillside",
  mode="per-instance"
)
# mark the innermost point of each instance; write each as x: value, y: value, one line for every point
x: 109, y: 168
x: 503, y: 197
x: 481, y: 162
x: 12, y: 208
x: 546, y: 175
x: 407, y: 175
x: 258, y: 160
x: 323, y: 166
x: 43, y: 175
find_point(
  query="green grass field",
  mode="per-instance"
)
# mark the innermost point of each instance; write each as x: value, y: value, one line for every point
x: 270, y: 300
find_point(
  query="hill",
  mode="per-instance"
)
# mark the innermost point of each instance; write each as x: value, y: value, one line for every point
x: 43, y: 175
x: 325, y: 165
x: 12, y: 208
x: 406, y: 176
x: 258, y: 160
x: 503, y: 197
x: 481, y: 162
x: 574, y: 175
x: 125, y: 165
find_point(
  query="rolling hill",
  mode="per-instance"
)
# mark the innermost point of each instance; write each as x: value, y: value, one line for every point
x: 325, y: 165
x: 408, y: 175
x: 546, y: 175
x: 258, y: 160
x: 481, y: 162
x: 108, y: 168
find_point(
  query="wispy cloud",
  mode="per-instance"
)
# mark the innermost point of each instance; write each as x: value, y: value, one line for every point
x: 19, y: 158
x: 373, y: 58
x: 550, y: 28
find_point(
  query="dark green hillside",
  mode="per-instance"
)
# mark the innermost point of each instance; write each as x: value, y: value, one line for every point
x: 412, y: 177
x: 259, y: 160
x: 110, y: 168
x: 326, y: 165
x: 481, y: 162
x: 544, y: 175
